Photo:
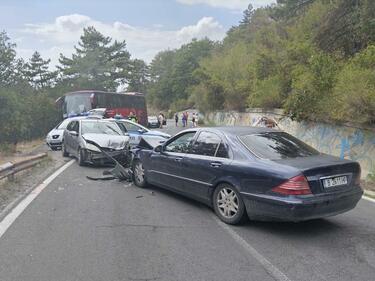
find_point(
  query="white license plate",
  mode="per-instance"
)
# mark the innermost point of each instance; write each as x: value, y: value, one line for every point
x: 336, y: 181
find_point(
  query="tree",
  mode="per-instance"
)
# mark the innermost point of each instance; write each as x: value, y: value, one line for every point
x: 37, y: 72
x: 348, y: 28
x: 138, y: 76
x: 98, y: 63
x: 10, y: 66
x: 247, y: 15
x: 172, y: 74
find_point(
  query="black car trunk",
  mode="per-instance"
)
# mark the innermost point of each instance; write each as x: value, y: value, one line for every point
x: 323, y: 170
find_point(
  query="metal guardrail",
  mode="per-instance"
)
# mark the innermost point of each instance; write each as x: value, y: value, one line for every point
x: 9, y: 169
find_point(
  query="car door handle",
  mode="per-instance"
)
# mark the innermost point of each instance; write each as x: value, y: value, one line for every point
x: 216, y: 164
x: 178, y: 159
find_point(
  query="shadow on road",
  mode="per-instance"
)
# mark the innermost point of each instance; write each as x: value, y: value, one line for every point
x: 311, y: 228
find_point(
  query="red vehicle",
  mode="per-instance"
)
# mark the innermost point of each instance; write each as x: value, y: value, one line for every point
x: 79, y: 102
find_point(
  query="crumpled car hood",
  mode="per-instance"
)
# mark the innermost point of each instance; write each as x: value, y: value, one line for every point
x: 108, y: 141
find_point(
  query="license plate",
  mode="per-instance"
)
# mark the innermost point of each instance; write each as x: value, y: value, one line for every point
x: 336, y: 181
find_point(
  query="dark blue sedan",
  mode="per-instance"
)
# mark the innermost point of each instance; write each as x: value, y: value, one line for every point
x: 264, y: 173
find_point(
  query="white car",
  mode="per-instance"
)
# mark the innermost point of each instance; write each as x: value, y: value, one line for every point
x: 55, y: 136
x: 153, y: 122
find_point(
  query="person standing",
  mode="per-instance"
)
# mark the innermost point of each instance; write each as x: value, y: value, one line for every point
x: 193, y: 120
x: 183, y: 119
x: 161, y: 120
x: 176, y: 119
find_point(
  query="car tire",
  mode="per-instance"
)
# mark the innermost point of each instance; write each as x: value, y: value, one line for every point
x: 228, y: 204
x: 81, y: 157
x: 63, y: 151
x: 139, y: 178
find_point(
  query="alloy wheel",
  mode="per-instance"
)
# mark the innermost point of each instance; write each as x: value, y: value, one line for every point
x: 227, y: 202
x: 139, y: 173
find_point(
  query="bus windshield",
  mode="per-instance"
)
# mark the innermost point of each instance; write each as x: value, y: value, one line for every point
x: 123, y: 104
x: 76, y: 104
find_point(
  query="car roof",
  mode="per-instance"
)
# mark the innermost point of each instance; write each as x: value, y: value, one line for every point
x: 234, y: 130
x: 244, y: 130
x: 95, y: 119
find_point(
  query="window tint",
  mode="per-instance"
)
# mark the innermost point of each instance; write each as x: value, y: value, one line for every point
x: 181, y: 144
x: 277, y: 145
x: 222, y: 152
x: 122, y: 127
x: 76, y: 126
x: 207, y: 144
x: 70, y: 126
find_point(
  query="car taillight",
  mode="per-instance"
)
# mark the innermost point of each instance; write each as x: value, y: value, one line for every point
x: 295, y: 186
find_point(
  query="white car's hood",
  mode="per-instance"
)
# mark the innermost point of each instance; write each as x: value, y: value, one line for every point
x: 108, y: 141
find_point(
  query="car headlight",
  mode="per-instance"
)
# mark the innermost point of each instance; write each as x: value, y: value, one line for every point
x: 92, y: 147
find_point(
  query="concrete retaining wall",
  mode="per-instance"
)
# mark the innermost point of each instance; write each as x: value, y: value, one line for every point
x: 346, y: 142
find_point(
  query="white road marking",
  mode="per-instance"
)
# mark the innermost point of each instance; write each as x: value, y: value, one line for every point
x: 267, y: 265
x: 17, y: 211
x: 368, y: 198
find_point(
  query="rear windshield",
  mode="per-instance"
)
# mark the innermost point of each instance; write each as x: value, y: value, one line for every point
x: 277, y: 145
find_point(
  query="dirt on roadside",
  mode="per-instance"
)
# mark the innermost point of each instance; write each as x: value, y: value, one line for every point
x: 368, y: 185
x: 26, y: 181
x: 23, y: 150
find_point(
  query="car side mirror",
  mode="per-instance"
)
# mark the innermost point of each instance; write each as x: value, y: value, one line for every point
x: 141, y: 131
x: 73, y: 133
x: 158, y: 148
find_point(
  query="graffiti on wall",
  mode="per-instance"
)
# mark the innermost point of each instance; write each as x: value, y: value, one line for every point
x: 342, y: 141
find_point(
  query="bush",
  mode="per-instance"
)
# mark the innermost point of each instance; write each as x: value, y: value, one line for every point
x: 25, y: 117
x: 354, y: 93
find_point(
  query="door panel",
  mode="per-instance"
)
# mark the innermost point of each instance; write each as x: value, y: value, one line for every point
x: 166, y: 167
x: 206, y: 161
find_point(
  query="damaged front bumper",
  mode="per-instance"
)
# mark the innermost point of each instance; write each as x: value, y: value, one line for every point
x: 94, y: 157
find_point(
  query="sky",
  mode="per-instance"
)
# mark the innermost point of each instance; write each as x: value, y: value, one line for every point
x: 52, y: 27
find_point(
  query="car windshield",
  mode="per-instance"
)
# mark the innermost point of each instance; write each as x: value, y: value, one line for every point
x: 100, y: 127
x: 277, y: 145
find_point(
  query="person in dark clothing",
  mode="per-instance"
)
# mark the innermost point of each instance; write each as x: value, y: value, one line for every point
x: 176, y: 119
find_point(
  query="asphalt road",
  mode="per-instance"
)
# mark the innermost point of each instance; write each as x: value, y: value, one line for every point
x: 77, y: 229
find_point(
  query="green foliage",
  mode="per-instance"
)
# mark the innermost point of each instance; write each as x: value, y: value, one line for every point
x: 37, y: 73
x: 225, y: 79
x: 354, y: 93
x: 172, y: 74
x: 138, y: 76
x: 97, y: 64
x: 10, y: 66
x: 314, y: 58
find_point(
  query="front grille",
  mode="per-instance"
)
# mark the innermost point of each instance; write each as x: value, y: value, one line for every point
x: 110, y: 149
